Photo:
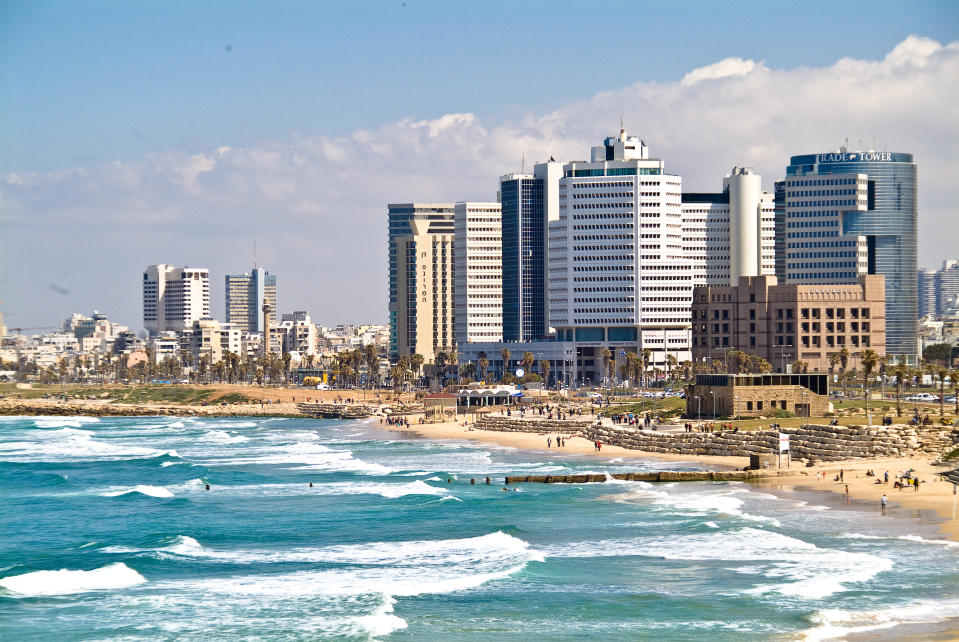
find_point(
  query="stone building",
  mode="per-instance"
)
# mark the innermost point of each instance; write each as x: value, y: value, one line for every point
x: 720, y: 395
x: 785, y: 323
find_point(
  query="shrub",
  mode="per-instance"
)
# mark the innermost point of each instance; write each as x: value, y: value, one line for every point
x: 784, y: 414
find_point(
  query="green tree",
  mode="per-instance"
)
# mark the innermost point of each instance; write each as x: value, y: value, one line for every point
x: 483, y: 362
x: 843, y: 364
x: 528, y: 360
x: 416, y: 362
x: 942, y: 373
x: 607, y: 363
x: 647, y: 355
x: 940, y: 352
x: 671, y: 363
x: 372, y: 359
x: 506, y: 354
x: 900, y: 371
x: 544, y: 370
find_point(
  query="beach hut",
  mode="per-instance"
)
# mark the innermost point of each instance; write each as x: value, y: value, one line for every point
x: 439, y: 405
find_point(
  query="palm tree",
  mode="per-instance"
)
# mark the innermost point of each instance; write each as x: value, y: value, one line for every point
x: 483, y: 362
x: 372, y: 360
x: 764, y: 366
x: 544, y: 370
x: 671, y: 362
x: 833, y: 361
x: 843, y: 362
x: 796, y: 366
x: 942, y: 373
x: 607, y: 359
x: 718, y: 366
x: 506, y: 355
x: 954, y: 377
x: 416, y: 362
x: 647, y: 355
x: 900, y: 371
x: 528, y: 360
x: 869, y: 360
x: 467, y: 370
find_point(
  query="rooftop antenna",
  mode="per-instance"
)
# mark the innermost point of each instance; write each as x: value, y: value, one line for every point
x: 523, y: 164
x: 621, y: 129
x: 254, y: 254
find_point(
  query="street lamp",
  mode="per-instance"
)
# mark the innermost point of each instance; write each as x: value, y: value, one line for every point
x: 738, y: 418
x: 805, y: 407
x: 713, y: 395
x: 782, y: 356
x: 699, y: 407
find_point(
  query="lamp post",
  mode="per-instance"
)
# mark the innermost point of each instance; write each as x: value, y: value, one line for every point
x: 782, y: 356
x: 713, y: 395
x: 699, y: 407
x: 738, y: 418
x: 805, y: 407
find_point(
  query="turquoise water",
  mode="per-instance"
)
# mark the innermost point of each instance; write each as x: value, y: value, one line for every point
x: 109, y: 533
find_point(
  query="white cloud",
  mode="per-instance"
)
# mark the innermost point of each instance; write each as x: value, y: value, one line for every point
x: 317, y: 204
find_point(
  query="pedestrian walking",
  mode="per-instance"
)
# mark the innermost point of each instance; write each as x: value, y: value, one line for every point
x: 882, y: 503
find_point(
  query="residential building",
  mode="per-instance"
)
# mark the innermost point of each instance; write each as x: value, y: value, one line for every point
x: 245, y: 296
x: 210, y: 338
x: 619, y: 278
x: 790, y: 322
x: 173, y: 298
x: 730, y: 234
x: 850, y: 213
x: 478, y: 272
x: 299, y: 333
x: 946, y: 287
x: 433, y: 219
x: 421, y: 279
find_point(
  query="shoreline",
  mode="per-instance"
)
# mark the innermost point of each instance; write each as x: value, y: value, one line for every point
x: 932, y: 504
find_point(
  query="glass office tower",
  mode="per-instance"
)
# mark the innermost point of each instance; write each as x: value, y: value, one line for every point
x: 524, y: 257
x: 887, y: 221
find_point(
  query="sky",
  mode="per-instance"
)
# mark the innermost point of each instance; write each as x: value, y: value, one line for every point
x: 180, y: 132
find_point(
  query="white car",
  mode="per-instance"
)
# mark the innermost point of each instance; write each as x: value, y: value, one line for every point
x: 923, y: 396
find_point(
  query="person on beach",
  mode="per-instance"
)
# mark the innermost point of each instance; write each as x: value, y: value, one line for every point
x: 882, y: 503
x: 840, y: 475
x: 847, y: 494
x: 915, y: 483
x: 885, y: 478
x: 549, y: 442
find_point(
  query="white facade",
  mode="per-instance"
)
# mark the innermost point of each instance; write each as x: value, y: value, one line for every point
x: 732, y: 233
x: 478, y: 272
x: 816, y: 249
x: 617, y: 267
x: 173, y: 298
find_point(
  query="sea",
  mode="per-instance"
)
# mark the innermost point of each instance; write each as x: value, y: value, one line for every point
x: 167, y: 528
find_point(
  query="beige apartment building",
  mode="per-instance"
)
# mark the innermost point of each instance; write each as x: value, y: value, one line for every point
x: 424, y: 274
x: 789, y: 322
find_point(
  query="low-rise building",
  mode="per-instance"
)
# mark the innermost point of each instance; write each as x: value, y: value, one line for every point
x: 722, y: 395
x: 790, y: 322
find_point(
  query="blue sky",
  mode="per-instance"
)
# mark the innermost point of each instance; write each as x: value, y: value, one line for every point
x: 134, y: 133
x: 100, y: 81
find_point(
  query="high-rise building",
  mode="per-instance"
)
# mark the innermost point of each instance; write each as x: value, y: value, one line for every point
x: 946, y: 286
x: 530, y: 202
x: 478, y: 272
x: 434, y: 218
x: 173, y: 298
x: 927, y: 292
x: 421, y: 279
x: 854, y: 213
x: 732, y: 233
x: 619, y: 278
x: 779, y: 229
x: 245, y: 294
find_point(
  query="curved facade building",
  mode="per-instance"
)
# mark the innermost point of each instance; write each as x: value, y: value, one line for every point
x: 850, y: 213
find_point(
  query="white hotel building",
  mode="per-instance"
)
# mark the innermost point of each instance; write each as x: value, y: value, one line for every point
x: 173, y: 298
x: 618, y: 272
x: 478, y: 272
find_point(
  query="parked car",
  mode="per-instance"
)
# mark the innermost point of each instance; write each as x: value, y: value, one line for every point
x: 923, y: 396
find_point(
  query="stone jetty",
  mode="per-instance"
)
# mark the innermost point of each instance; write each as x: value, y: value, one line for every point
x: 660, y: 476
x: 811, y: 442
x: 335, y: 411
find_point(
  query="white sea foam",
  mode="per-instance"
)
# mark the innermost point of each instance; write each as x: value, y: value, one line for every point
x: 222, y: 437
x: 905, y: 538
x: 66, y: 582
x: 64, y: 422
x: 311, y: 456
x: 724, y: 500
x: 834, y: 624
x: 382, y: 621
x: 384, y: 489
x: 152, y: 491
x: 711, y: 524
x: 810, y: 572
x: 172, y: 463
x: 71, y: 444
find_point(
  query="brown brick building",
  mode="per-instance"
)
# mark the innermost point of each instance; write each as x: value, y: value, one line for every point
x: 719, y: 395
x: 783, y: 323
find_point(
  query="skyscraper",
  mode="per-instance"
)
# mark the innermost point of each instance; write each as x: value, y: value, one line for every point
x: 927, y: 292
x: 245, y: 295
x: 529, y: 201
x: 434, y: 218
x: 730, y: 234
x: 478, y: 272
x: 173, y: 298
x: 619, y: 278
x: 852, y: 213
